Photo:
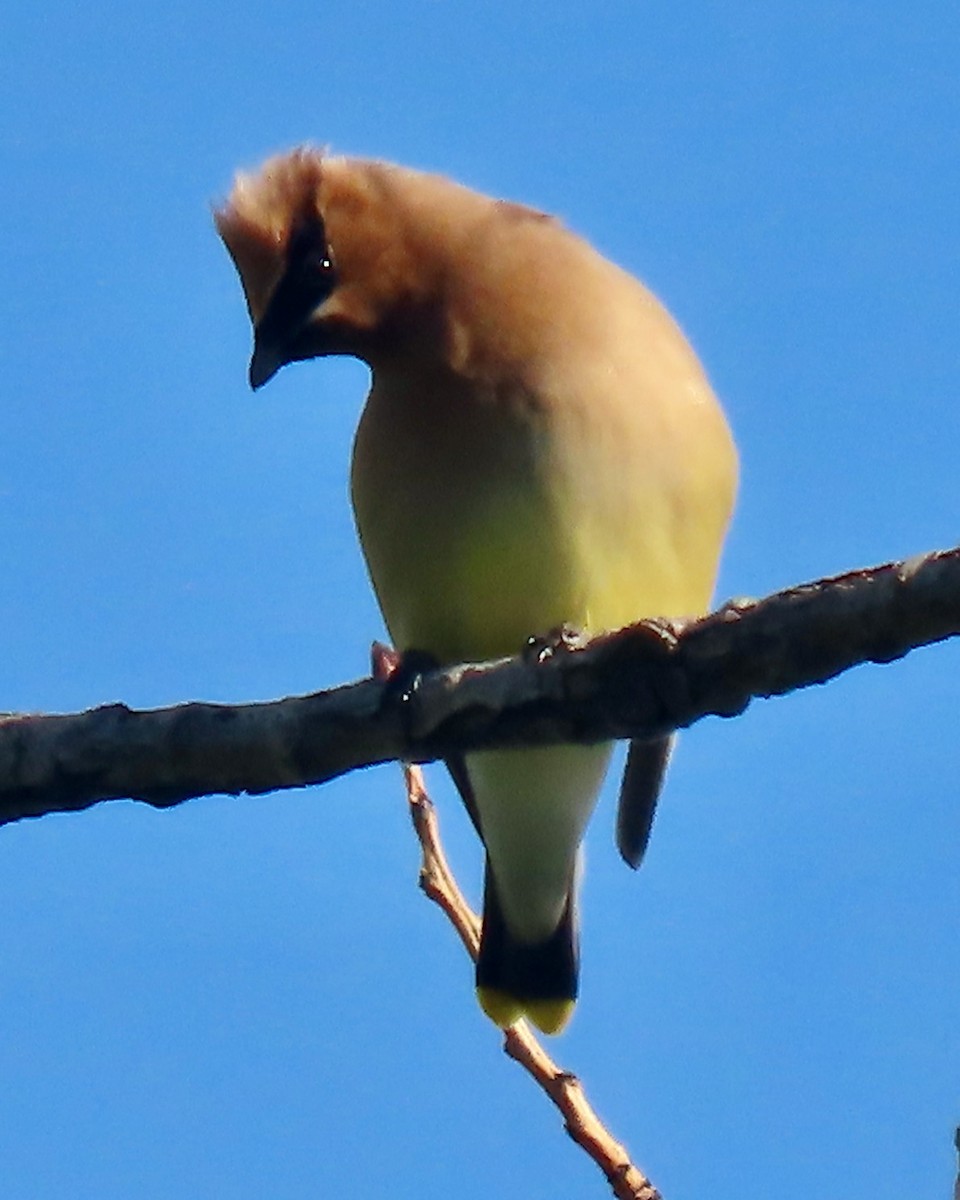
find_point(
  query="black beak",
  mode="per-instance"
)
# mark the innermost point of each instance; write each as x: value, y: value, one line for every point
x: 265, y: 362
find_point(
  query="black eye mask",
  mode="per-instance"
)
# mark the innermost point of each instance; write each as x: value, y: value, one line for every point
x: 308, y: 280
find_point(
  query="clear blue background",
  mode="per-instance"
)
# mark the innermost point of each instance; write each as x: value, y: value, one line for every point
x: 249, y: 998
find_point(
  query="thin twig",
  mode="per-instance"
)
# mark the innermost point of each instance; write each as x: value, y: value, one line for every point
x: 564, y: 1089
x: 437, y: 881
x: 440, y: 885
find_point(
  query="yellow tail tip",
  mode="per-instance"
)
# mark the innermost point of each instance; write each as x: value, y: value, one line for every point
x: 549, y: 1016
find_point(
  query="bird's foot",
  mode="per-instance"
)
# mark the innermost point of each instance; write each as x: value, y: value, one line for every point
x: 559, y: 640
x: 401, y: 671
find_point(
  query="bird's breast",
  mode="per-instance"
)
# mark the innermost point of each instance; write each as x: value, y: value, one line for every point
x: 461, y: 525
x: 488, y: 514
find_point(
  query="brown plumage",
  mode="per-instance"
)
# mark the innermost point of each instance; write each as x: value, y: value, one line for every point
x: 539, y: 447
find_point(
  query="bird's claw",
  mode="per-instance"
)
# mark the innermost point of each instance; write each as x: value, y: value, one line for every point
x: 401, y: 671
x: 560, y: 640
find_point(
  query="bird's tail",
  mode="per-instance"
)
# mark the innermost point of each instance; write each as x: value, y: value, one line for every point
x: 537, y: 980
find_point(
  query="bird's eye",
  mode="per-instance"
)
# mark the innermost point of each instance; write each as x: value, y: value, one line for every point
x: 316, y: 266
x: 308, y: 254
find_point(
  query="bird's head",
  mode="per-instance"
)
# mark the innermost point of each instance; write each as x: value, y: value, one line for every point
x: 331, y: 256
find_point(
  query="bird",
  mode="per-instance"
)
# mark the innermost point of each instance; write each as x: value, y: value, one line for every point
x: 539, y: 449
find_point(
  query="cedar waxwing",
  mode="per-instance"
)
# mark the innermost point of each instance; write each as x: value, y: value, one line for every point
x: 539, y: 447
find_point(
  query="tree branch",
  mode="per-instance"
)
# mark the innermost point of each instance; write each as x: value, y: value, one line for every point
x: 644, y: 680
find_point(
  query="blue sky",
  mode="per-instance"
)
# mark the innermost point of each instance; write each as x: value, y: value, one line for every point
x: 249, y: 998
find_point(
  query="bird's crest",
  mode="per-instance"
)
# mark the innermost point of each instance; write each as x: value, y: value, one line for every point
x: 259, y: 215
